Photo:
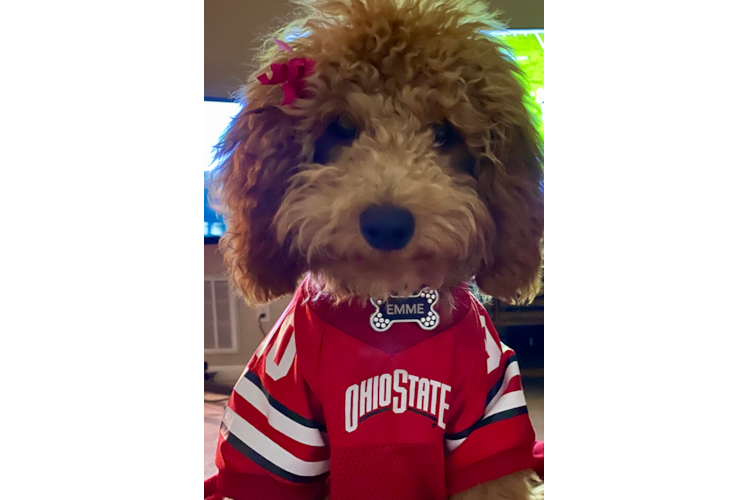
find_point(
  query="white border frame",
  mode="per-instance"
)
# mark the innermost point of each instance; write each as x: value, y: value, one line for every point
x: 232, y: 317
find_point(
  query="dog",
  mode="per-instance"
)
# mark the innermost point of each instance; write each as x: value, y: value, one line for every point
x: 381, y: 161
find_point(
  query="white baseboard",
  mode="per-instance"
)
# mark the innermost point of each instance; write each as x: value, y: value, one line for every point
x: 226, y: 374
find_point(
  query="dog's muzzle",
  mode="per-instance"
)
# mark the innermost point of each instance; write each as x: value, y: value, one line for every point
x: 387, y: 227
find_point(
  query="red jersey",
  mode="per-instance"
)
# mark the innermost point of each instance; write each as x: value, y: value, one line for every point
x: 331, y: 404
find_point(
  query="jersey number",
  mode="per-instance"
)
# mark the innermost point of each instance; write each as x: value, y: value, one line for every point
x: 277, y: 371
x: 492, y: 348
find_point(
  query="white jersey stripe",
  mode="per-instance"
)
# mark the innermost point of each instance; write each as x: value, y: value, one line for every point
x: 269, y: 449
x: 278, y: 421
x: 512, y: 370
x: 452, y: 444
x: 509, y: 401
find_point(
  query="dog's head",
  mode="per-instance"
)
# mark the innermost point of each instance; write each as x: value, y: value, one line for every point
x: 408, y: 159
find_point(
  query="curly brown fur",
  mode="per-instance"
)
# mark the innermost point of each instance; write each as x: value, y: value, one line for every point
x: 522, y: 485
x: 260, y: 152
x: 392, y: 68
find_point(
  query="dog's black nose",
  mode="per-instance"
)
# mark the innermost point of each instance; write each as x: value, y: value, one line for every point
x: 387, y: 227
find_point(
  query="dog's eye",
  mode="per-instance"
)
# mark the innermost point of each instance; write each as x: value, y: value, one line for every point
x: 344, y: 128
x: 338, y: 134
x: 444, y: 135
x: 451, y: 144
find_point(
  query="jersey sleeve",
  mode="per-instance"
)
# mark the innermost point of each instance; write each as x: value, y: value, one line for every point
x: 273, y: 442
x: 490, y: 434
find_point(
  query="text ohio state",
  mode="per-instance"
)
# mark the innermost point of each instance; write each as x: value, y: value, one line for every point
x: 401, y: 390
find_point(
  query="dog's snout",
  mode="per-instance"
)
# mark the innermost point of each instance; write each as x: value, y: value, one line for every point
x: 386, y: 227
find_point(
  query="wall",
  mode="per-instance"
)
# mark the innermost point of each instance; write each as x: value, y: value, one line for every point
x: 230, y: 366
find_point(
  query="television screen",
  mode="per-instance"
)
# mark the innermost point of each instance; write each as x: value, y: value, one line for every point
x: 525, y: 46
x: 218, y: 115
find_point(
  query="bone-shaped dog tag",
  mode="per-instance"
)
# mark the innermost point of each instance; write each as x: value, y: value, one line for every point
x: 418, y: 308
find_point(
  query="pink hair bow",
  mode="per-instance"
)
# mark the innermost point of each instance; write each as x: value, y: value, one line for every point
x: 290, y: 74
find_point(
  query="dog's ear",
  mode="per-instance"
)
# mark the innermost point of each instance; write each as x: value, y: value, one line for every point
x: 511, y: 183
x: 257, y: 155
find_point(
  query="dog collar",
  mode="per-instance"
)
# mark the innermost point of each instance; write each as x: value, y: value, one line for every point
x: 418, y: 308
